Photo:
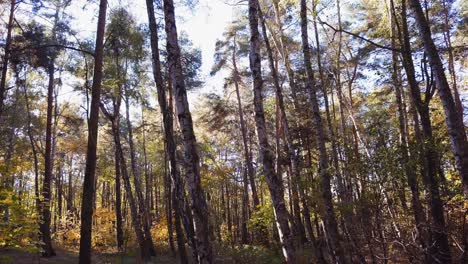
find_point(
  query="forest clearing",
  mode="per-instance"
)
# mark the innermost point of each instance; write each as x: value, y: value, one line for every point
x: 233, y: 131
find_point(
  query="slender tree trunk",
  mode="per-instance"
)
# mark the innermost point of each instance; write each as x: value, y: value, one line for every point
x: 245, y: 208
x: 145, y: 251
x: 70, y: 188
x: 118, y: 197
x: 148, y: 185
x: 6, y: 57
x: 342, y: 192
x: 291, y: 150
x: 438, y: 246
x: 247, y: 157
x: 453, y: 118
x: 34, y: 152
x: 59, y: 191
x: 48, y: 251
x: 143, y: 212
x: 199, y: 206
x: 344, y: 195
x: 178, y: 227
x: 261, y: 234
x: 283, y: 51
x: 168, y: 131
x: 451, y: 61
x: 329, y: 213
x: 274, y: 181
x: 168, y: 201
x: 91, y: 157
x: 410, y: 171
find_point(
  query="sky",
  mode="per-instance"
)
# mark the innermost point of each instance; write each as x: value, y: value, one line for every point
x: 204, y: 24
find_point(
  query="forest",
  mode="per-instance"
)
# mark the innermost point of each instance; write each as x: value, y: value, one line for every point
x: 316, y: 131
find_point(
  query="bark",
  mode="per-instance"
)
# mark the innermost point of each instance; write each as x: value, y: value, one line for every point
x: 148, y: 181
x: 438, y: 246
x: 6, y: 57
x: 451, y: 59
x: 34, y: 152
x: 118, y: 200
x: 410, y: 171
x: 331, y: 129
x: 199, y: 206
x: 283, y: 51
x: 343, y: 194
x: 91, y: 157
x: 8, y: 181
x: 245, y: 209
x: 168, y: 207
x: 247, y: 156
x: 59, y: 191
x: 274, y: 181
x: 143, y: 212
x: 70, y: 188
x: 262, y: 234
x: 121, y: 171
x: 145, y: 251
x: 331, y: 225
x: 453, y: 118
x: 48, y: 251
x: 292, y: 151
x: 178, y: 228
x: 168, y: 130
x: 229, y: 215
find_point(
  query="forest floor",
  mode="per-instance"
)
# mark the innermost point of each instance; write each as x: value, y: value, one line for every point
x: 18, y: 256
x: 223, y: 255
x: 21, y: 256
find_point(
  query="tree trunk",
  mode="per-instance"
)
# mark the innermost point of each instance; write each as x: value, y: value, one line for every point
x: 285, y: 54
x: 438, y: 250
x: 274, y: 181
x: 145, y: 251
x: 143, y: 212
x: 291, y: 150
x: 329, y: 213
x: 410, y: 171
x: 6, y: 57
x: 453, y: 118
x: 59, y: 191
x: 48, y: 251
x: 34, y: 152
x: 199, y: 206
x: 451, y: 60
x: 148, y: 181
x: 168, y: 131
x: 91, y: 157
x: 70, y: 189
x: 168, y: 202
x: 245, y: 208
x: 261, y: 233
x: 118, y: 198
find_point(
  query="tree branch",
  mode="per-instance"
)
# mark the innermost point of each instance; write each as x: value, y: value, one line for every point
x: 57, y: 46
x: 359, y: 37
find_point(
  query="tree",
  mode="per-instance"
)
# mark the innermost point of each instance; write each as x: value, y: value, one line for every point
x: 274, y: 181
x: 228, y: 52
x: 453, y: 118
x: 325, y: 188
x: 6, y: 56
x: 168, y: 130
x: 90, y: 171
x: 198, y: 205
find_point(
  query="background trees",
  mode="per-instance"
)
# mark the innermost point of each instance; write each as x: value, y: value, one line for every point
x: 324, y: 141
